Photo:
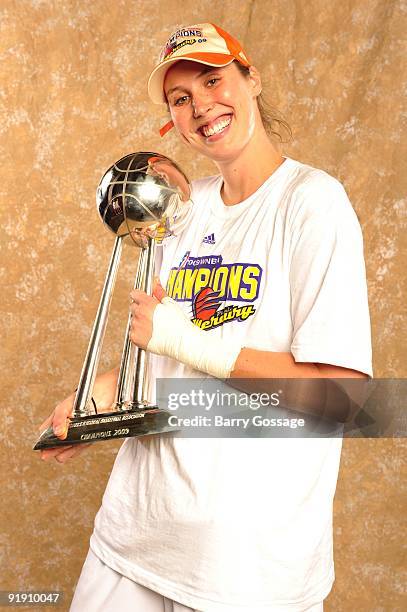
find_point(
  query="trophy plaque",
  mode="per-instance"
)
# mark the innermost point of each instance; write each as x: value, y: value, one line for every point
x: 143, y: 199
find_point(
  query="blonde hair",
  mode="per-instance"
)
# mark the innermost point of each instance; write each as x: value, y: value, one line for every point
x: 273, y: 121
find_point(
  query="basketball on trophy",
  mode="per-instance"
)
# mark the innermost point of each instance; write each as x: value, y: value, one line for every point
x: 144, y: 195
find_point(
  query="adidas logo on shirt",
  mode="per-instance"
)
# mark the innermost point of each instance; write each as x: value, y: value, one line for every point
x: 210, y: 239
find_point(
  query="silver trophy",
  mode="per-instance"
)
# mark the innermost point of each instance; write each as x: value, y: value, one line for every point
x: 143, y: 199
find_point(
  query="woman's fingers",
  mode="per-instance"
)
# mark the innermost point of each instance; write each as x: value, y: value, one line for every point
x: 141, y: 297
x: 158, y: 290
x: 51, y: 453
x: 62, y: 453
x: 71, y: 451
x: 48, y: 421
x: 58, y: 420
x: 61, y: 415
x: 137, y: 296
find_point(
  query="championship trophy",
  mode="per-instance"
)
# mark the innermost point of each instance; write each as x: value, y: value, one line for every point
x: 143, y: 198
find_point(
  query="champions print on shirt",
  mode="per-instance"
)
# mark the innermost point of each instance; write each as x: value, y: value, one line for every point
x: 218, y: 292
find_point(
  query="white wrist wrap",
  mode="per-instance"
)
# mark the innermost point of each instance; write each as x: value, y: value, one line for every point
x: 174, y: 335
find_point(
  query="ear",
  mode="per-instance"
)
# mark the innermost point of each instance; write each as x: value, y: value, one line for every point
x: 255, y: 79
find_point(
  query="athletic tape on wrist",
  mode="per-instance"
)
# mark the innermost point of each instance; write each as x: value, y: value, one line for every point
x: 175, y: 336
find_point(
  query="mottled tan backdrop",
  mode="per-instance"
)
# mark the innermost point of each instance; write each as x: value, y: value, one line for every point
x: 73, y: 99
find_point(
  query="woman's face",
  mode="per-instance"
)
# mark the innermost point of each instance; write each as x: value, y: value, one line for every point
x: 214, y: 109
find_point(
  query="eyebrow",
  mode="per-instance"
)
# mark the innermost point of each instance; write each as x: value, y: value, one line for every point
x: 204, y: 71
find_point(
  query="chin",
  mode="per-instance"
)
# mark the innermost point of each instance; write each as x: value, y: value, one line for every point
x: 224, y: 153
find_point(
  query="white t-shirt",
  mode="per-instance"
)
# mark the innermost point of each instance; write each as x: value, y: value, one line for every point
x: 224, y: 525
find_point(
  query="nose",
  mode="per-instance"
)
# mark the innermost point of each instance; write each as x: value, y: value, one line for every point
x: 201, y: 105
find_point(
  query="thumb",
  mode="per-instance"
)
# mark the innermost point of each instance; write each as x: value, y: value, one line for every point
x: 158, y: 290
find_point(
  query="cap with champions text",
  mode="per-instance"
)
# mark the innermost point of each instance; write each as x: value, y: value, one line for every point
x: 205, y: 43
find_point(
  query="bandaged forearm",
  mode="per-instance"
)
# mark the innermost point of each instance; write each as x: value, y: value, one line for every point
x: 175, y: 336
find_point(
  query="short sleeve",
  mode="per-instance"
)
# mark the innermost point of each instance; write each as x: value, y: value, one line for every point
x: 329, y: 304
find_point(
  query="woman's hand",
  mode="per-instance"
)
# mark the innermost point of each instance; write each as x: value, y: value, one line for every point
x: 59, y: 421
x: 103, y: 392
x: 142, y: 310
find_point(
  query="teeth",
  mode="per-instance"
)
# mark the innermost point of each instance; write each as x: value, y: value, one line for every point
x: 218, y: 127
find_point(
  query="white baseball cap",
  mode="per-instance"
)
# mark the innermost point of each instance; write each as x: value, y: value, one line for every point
x: 205, y: 43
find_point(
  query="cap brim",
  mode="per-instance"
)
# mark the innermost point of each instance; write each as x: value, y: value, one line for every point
x: 156, y: 79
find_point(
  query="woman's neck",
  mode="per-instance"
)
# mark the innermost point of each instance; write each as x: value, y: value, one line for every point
x: 243, y: 176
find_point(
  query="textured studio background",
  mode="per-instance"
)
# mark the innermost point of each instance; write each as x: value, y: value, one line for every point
x: 73, y: 100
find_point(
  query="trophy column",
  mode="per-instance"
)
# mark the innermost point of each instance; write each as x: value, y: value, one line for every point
x: 132, y: 380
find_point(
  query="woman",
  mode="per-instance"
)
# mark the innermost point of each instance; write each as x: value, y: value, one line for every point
x: 228, y: 524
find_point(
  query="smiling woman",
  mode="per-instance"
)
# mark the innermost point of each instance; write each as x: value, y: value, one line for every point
x: 205, y: 104
x: 220, y: 524
x: 276, y: 127
x: 215, y: 109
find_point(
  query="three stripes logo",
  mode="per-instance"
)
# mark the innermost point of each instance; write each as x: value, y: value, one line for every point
x: 210, y: 239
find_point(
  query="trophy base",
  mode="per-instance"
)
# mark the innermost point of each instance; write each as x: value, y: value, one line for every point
x: 135, y: 420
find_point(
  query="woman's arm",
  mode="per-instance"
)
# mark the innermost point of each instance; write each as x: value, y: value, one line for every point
x: 161, y: 326
x: 313, y: 388
x: 252, y: 363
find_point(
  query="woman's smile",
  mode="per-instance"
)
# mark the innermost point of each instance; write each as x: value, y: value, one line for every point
x: 217, y: 128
